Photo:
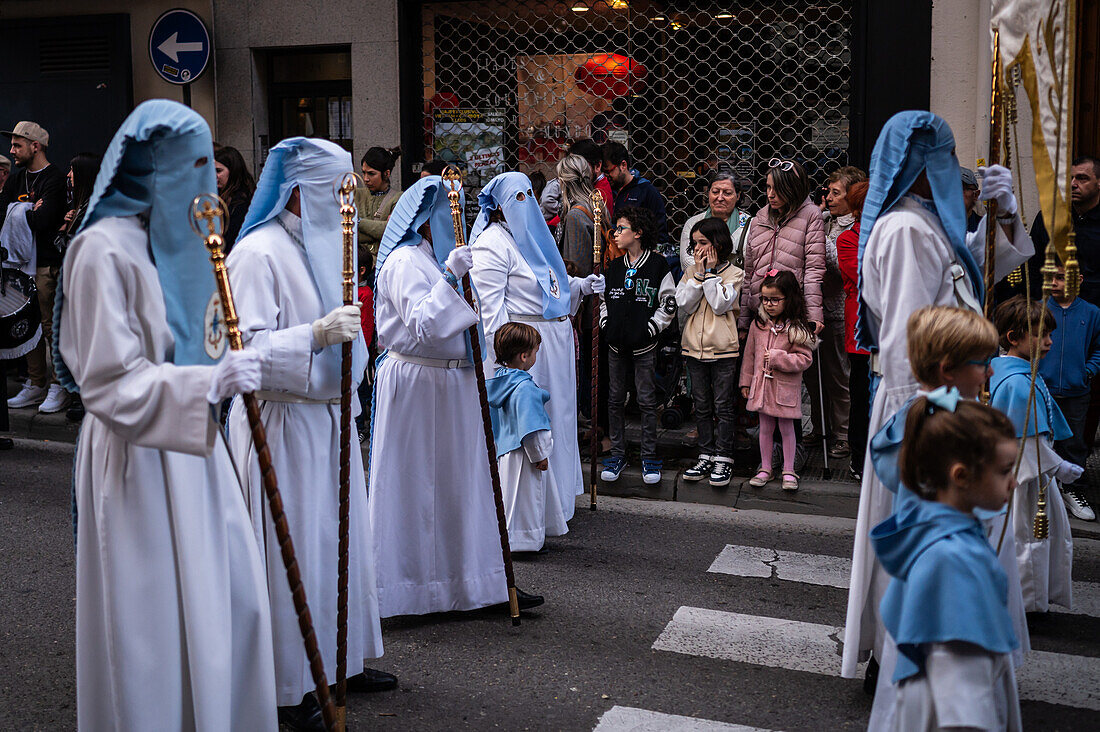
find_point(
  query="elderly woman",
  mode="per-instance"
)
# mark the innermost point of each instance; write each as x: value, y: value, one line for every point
x: 723, y: 193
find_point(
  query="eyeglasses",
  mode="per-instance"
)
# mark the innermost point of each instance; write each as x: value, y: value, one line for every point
x: 620, y: 229
x: 784, y: 165
x: 772, y: 300
x: 984, y: 363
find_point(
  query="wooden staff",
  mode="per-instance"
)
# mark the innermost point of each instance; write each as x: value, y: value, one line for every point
x: 996, y: 127
x: 453, y: 177
x: 208, y: 211
x: 597, y: 266
x: 345, y: 196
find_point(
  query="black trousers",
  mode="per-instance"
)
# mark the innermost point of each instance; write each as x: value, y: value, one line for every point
x: 859, y: 414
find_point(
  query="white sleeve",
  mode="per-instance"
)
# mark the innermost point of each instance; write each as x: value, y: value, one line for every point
x: 1047, y: 459
x: 686, y: 260
x: 722, y: 296
x: 961, y: 677
x: 576, y: 297
x: 689, y: 293
x: 492, y: 265
x: 666, y: 305
x: 156, y: 405
x: 433, y: 312
x: 287, y: 354
x: 538, y: 445
x: 1010, y: 253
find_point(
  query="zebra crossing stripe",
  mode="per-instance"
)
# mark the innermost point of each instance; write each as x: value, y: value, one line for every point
x: 829, y: 571
x: 1056, y: 678
x: 631, y: 719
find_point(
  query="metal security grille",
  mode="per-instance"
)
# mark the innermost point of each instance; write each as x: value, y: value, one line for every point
x: 688, y: 87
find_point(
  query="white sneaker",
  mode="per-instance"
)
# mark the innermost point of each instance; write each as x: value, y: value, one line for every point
x: 28, y: 396
x: 1078, y: 506
x: 56, y: 400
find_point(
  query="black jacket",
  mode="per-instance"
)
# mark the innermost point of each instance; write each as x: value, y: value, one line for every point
x: 632, y: 317
x: 48, y: 186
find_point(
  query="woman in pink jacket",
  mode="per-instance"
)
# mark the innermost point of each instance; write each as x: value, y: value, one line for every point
x: 787, y: 234
x: 778, y: 350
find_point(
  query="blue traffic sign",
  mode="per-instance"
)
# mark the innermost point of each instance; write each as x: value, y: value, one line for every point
x: 179, y: 46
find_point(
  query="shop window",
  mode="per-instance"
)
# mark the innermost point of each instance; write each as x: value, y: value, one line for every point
x: 688, y: 87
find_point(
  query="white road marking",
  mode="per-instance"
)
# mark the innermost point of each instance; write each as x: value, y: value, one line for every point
x: 830, y: 571
x: 630, y: 719
x: 1057, y: 678
x: 754, y: 561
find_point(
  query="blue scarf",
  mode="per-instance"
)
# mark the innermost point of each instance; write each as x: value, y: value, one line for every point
x: 518, y: 408
x: 511, y: 193
x: 909, y: 143
x: 150, y: 170
x: 947, y: 584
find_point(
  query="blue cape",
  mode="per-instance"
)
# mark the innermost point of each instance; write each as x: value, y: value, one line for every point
x: 511, y: 192
x: 1008, y: 391
x: 150, y: 169
x: 518, y: 407
x: 909, y: 143
x: 314, y: 167
x: 947, y: 584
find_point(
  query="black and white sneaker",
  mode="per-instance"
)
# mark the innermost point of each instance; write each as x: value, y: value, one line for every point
x: 700, y: 469
x: 721, y: 473
x: 1078, y: 506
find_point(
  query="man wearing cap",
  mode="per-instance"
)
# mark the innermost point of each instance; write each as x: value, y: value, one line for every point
x: 37, y: 182
x: 970, y: 199
x: 5, y: 170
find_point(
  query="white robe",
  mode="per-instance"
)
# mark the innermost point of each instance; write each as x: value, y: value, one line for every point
x: 531, y: 503
x: 172, y: 624
x: 1045, y: 565
x: 506, y: 286
x: 963, y: 687
x: 277, y: 301
x: 905, y: 266
x: 436, y: 541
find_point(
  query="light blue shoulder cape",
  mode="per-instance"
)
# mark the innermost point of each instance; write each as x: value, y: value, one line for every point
x: 1008, y: 392
x: 518, y: 408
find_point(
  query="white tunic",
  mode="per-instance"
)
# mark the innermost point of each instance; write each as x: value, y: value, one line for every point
x: 172, y: 624
x: 906, y: 266
x: 531, y: 502
x: 277, y: 301
x: 1046, y: 565
x: 436, y: 541
x: 963, y: 687
x: 507, y: 287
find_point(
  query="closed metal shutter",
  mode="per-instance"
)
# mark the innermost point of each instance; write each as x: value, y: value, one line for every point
x: 688, y: 87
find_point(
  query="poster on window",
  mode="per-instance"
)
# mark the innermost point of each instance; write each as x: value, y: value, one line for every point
x: 472, y: 139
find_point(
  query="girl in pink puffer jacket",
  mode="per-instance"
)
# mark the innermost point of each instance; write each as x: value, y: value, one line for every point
x: 778, y: 350
x: 785, y: 235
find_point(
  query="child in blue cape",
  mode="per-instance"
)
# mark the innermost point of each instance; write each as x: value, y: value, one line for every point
x: 946, y: 607
x: 521, y: 428
x: 1045, y: 564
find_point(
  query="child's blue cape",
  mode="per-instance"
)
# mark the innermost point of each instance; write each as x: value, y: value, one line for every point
x: 947, y: 584
x: 1008, y: 391
x: 518, y: 407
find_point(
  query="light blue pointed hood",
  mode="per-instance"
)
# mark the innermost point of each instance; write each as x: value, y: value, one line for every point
x: 512, y: 194
x: 152, y: 169
x: 909, y: 143
x: 313, y: 167
x: 424, y: 201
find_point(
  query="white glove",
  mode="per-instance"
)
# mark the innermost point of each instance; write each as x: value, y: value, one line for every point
x: 339, y: 326
x: 593, y: 285
x: 459, y: 261
x: 997, y: 186
x: 1068, y: 472
x: 237, y: 373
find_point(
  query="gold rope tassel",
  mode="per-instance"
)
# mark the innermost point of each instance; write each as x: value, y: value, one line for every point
x: 1042, y: 525
x: 1073, y: 269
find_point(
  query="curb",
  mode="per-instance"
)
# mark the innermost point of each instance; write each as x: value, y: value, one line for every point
x: 31, y: 424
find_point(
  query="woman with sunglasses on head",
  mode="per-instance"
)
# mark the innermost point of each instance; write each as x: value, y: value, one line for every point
x: 787, y: 234
x: 639, y: 302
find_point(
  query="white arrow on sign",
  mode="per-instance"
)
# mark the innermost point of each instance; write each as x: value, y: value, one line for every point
x: 172, y: 48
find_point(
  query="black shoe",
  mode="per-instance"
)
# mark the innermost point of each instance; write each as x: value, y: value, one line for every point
x: 371, y: 681
x: 700, y: 470
x: 855, y: 475
x: 306, y: 717
x: 721, y: 473
x: 7, y: 443
x: 527, y: 600
x: 870, y: 679
x: 75, y: 412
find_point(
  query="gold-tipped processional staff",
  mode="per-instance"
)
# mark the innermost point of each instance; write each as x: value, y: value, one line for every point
x: 452, y: 178
x: 208, y: 214
x: 344, y: 192
x: 597, y: 266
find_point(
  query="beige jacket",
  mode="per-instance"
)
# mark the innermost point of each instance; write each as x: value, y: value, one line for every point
x: 711, y: 300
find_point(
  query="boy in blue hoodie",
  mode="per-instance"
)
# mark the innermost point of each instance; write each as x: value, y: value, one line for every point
x: 946, y: 606
x: 521, y: 428
x: 1068, y: 370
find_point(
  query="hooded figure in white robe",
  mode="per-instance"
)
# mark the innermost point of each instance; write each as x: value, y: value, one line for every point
x: 913, y: 251
x: 172, y: 623
x: 286, y: 272
x: 520, y: 276
x: 436, y: 540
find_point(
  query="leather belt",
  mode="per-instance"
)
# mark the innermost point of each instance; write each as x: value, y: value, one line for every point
x: 438, y: 363
x: 288, y: 398
x: 526, y: 318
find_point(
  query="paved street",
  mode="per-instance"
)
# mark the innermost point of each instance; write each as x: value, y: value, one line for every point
x: 659, y: 615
